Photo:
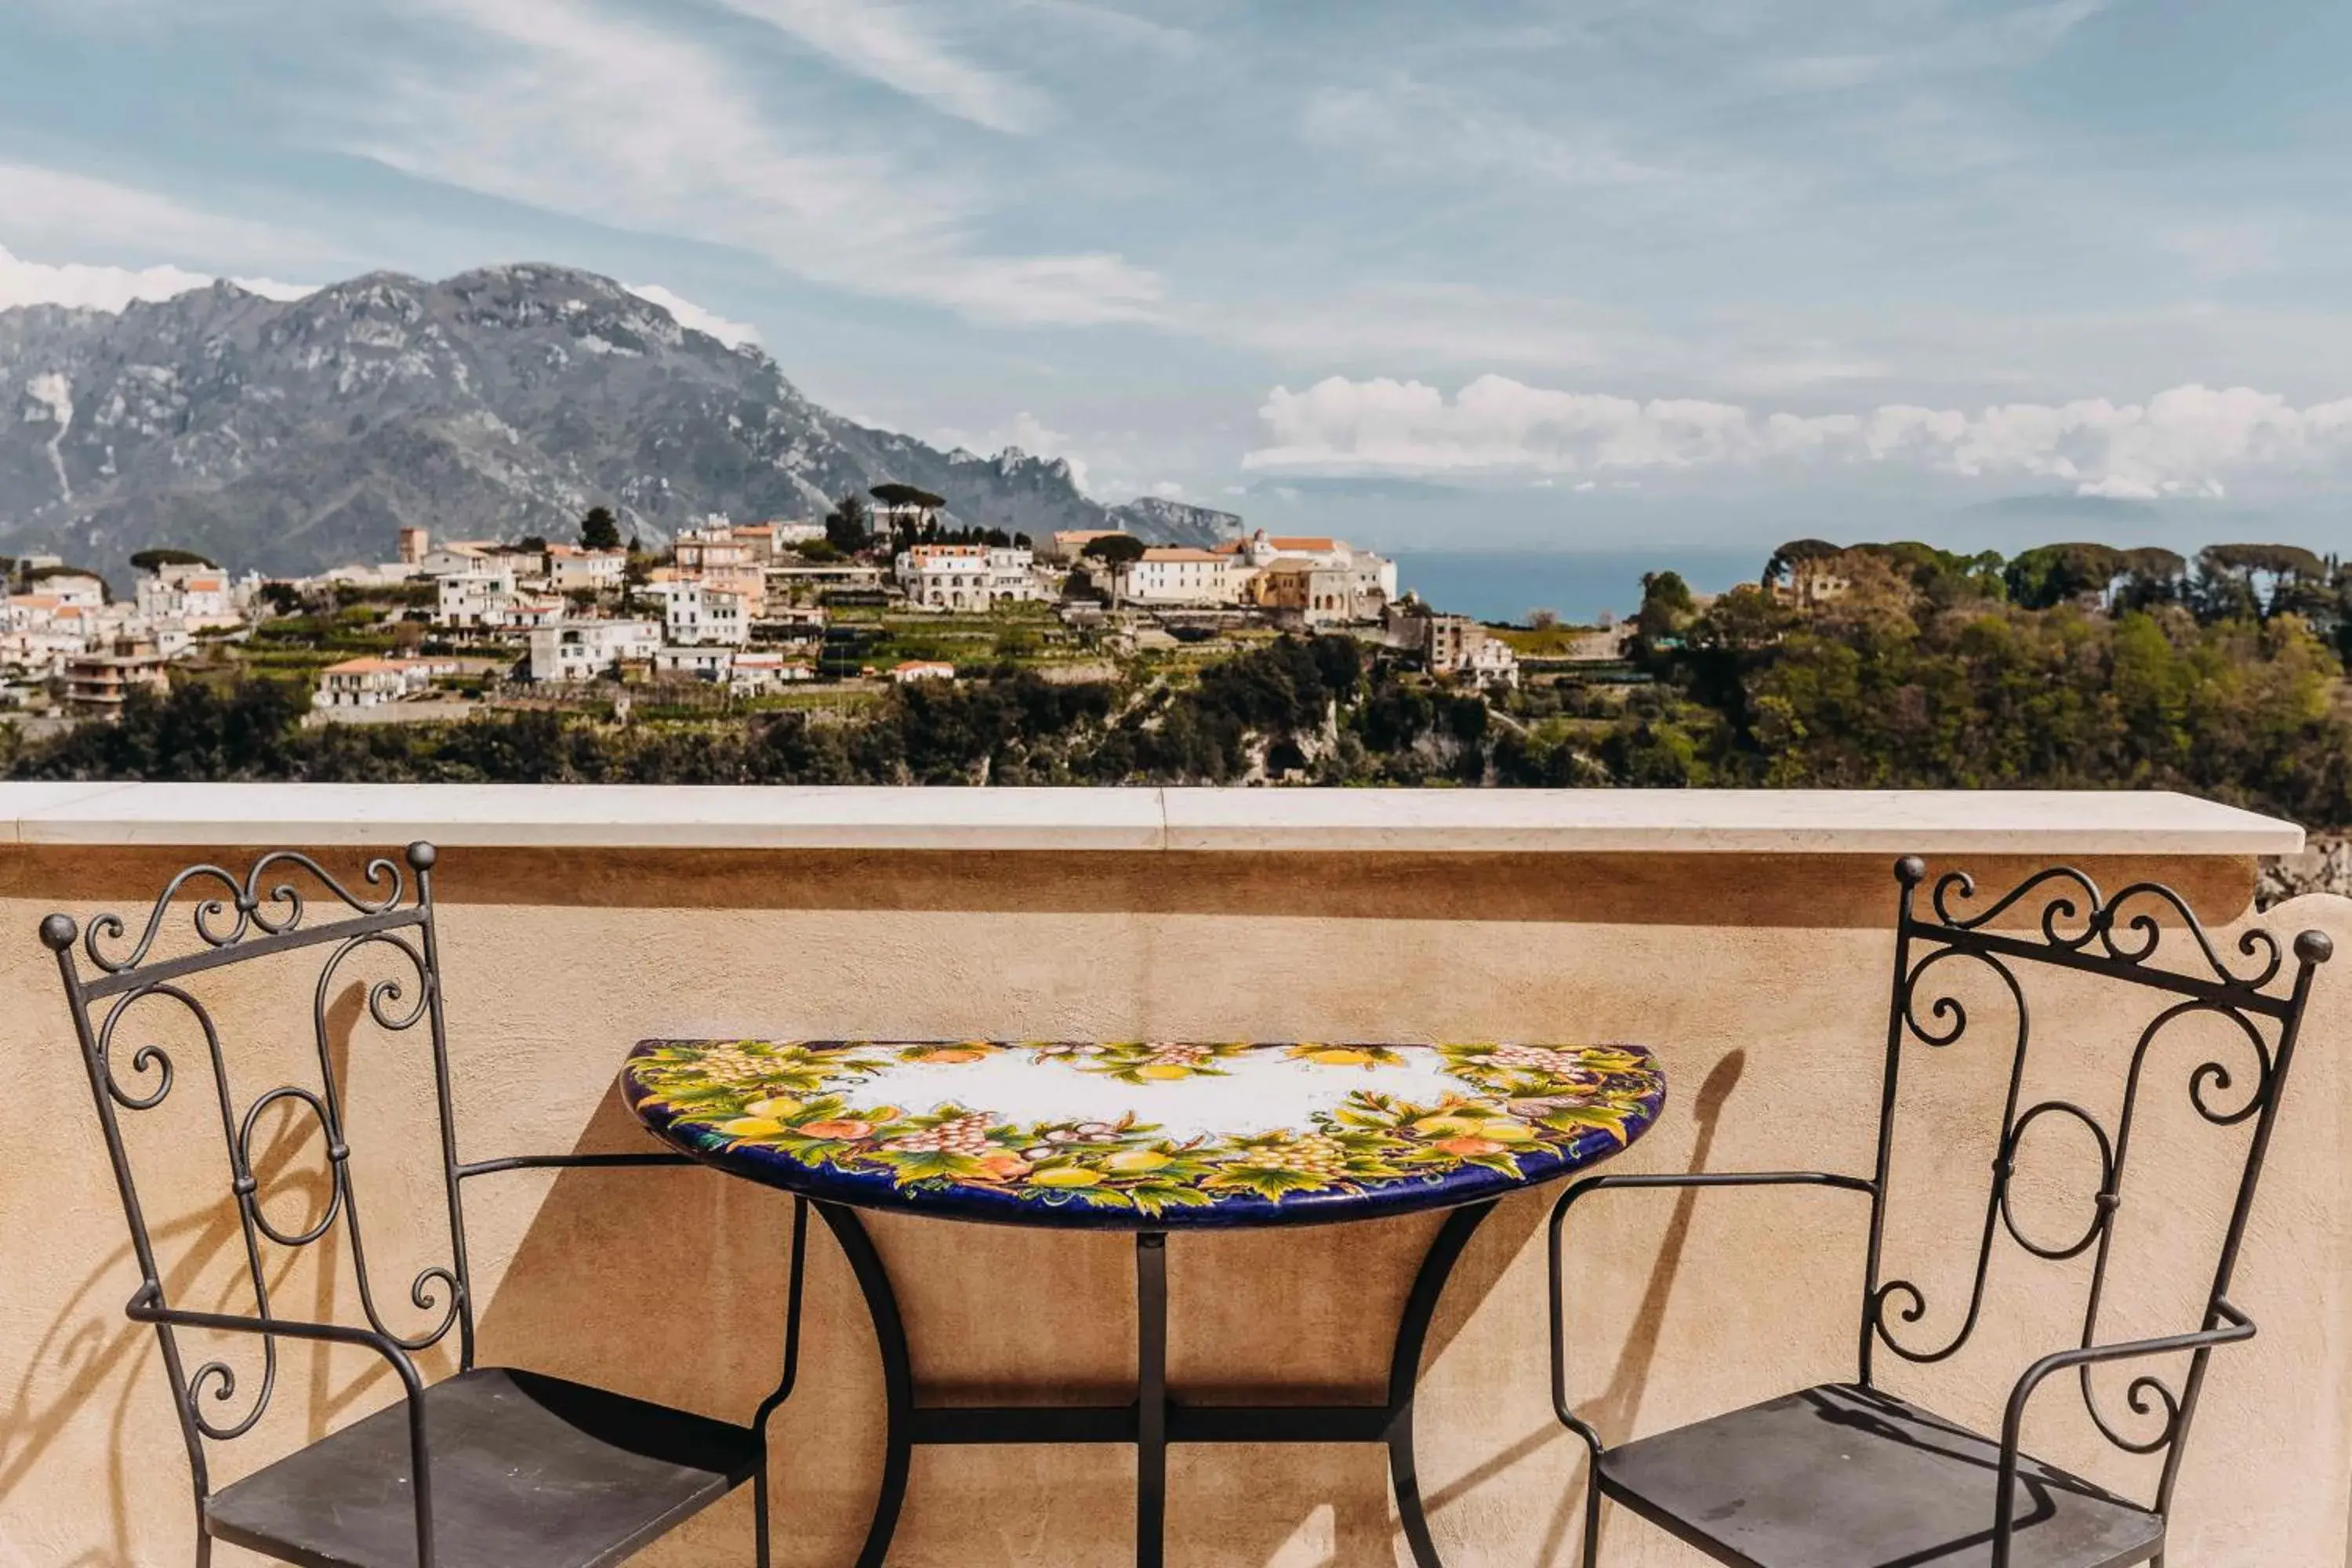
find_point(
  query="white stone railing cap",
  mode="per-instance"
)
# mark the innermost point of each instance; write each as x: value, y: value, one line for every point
x: 2040, y: 823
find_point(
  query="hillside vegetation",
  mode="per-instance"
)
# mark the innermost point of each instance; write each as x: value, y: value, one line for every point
x: 2073, y: 666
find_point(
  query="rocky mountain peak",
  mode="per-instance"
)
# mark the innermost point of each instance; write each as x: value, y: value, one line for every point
x: 293, y: 436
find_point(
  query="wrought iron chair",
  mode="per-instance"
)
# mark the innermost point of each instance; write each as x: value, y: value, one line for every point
x: 488, y: 1468
x: 1849, y: 1476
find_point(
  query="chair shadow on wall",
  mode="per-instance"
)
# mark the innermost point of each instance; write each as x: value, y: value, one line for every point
x: 1614, y: 1406
x: 91, y: 1354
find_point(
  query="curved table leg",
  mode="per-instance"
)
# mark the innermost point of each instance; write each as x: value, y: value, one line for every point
x: 1405, y: 1370
x: 897, y: 1375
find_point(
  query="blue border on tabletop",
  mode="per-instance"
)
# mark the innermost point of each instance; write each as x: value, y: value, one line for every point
x: 880, y: 1192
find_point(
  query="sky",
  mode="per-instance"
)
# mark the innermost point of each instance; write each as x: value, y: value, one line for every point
x: 1567, y: 276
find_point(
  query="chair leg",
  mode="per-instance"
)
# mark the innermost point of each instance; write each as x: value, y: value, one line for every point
x: 760, y: 1513
x: 203, y: 1546
x: 1591, y: 1515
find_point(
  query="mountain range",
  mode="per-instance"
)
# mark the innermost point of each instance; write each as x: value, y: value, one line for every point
x: 290, y: 437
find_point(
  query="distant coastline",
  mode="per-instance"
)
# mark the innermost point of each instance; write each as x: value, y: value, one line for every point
x: 1577, y: 585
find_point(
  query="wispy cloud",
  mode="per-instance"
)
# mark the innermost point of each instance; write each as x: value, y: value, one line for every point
x: 903, y: 50
x: 694, y: 318
x: 2187, y: 441
x: 57, y: 212
x: 1415, y: 128
x: 82, y: 286
x: 580, y: 111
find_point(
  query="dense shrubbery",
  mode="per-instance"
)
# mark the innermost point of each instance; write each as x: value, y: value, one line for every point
x: 2071, y: 667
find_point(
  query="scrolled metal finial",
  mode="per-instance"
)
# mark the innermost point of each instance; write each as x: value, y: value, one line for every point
x: 422, y: 855
x: 2060, y: 905
x: 57, y: 933
x: 2311, y: 946
x: 2254, y: 942
x: 1911, y: 871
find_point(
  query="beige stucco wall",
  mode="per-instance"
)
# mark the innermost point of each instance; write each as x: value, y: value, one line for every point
x: 1761, y: 981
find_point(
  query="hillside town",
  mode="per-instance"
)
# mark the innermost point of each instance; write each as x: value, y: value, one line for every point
x: 880, y: 592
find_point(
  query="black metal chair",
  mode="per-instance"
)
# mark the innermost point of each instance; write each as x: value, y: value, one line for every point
x: 488, y: 1468
x: 1848, y: 1476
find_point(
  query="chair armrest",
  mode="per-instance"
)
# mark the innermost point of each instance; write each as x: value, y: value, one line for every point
x: 148, y: 1307
x: 2233, y: 1328
x: 1566, y: 1417
x: 658, y: 1157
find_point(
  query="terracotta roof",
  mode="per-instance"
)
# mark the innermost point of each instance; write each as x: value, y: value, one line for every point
x: 366, y: 666
x: 1172, y: 553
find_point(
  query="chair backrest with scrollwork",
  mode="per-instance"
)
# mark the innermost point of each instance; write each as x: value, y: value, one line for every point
x: 118, y: 977
x: 2143, y: 935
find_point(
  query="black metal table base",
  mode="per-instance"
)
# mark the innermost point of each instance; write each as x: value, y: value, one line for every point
x: 1154, y: 1420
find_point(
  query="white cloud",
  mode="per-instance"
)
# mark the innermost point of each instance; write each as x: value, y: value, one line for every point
x: 734, y: 334
x: 579, y: 110
x: 2185, y: 441
x: 56, y: 212
x: 897, y: 48
x: 82, y: 286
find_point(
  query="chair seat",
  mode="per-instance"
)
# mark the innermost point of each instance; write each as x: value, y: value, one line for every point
x: 1845, y: 1477
x: 528, y: 1471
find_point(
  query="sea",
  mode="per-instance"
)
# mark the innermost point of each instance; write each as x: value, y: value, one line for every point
x: 1578, y: 586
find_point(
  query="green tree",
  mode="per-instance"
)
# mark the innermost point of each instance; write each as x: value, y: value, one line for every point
x: 600, y: 530
x: 1113, y: 549
x: 163, y: 555
x: 2052, y: 575
x: 847, y: 527
x: 1666, y: 605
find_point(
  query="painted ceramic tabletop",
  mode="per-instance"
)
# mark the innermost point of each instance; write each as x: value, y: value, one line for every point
x: 1146, y: 1134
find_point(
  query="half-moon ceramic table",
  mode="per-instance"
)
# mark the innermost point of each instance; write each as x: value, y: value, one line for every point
x: 1153, y: 1138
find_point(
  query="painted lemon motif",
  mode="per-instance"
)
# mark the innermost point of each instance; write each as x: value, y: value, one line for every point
x: 1066, y: 1176
x: 1340, y: 1057
x: 1135, y: 1162
x: 1506, y: 1131
x: 776, y: 1109
x: 1163, y: 1072
x: 1448, y: 1126
x: 752, y: 1127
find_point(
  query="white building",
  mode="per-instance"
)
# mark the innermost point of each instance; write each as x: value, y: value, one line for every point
x: 371, y: 682
x: 573, y: 569
x: 474, y: 599
x: 967, y: 576
x: 750, y: 673
x: 1323, y: 579
x: 582, y: 650
x: 78, y: 590
x: 198, y: 595
x: 1168, y: 575
x: 464, y: 557
x: 695, y: 615
x: 923, y: 669
x: 693, y: 663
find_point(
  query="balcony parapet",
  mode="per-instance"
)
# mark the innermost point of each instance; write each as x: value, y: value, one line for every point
x: 2033, y: 824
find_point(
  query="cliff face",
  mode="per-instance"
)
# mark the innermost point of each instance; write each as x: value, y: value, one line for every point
x: 292, y: 437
